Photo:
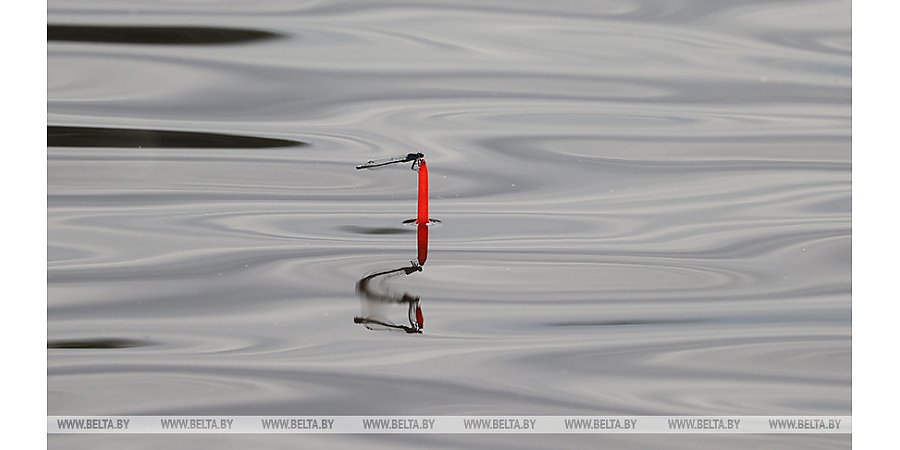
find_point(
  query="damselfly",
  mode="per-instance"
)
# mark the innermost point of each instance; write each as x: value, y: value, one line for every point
x: 411, y: 157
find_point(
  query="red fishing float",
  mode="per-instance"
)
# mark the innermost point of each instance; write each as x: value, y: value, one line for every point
x: 422, y: 216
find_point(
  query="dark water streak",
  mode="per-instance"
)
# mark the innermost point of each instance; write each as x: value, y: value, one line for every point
x: 62, y: 136
x: 97, y: 343
x: 158, y: 35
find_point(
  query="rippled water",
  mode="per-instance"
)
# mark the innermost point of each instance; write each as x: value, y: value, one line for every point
x: 645, y: 209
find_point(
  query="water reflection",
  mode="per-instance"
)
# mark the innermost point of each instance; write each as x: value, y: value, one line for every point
x: 97, y: 343
x: 378, y: 302
x: 62, y: 136
x: 156, y: 35
x: 650, y: 205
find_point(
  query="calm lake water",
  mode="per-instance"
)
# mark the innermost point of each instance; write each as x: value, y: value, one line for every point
x: 645, y: 209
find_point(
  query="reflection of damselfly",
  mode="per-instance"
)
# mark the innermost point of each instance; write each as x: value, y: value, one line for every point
x: 411, y: 157
x: 376, y: 302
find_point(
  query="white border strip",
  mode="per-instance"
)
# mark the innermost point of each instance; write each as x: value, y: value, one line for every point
x: 449, y: 424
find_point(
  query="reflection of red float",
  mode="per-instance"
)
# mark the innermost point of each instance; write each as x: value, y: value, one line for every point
x: 422, y: 216
x: 422, y: 243
x: 420, y: 318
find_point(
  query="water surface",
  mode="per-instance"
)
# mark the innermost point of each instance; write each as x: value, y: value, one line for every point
x: 645, y: 209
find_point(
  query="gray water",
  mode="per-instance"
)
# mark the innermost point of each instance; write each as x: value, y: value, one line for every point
x: 645, y: 209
